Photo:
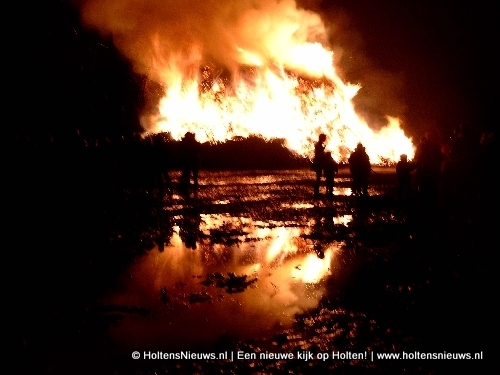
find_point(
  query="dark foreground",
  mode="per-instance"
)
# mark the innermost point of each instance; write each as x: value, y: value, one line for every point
x: 252, y: 265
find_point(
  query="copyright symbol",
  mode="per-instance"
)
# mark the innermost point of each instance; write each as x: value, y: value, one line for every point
x: 136, y: 355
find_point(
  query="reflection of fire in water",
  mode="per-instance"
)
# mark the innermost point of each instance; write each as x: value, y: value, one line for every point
x: 313, y: 268
x: 284, y: 244
x: 277, y: 78
x: 288, y: 281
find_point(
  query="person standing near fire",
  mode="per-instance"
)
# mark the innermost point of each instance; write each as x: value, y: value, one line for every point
x: 318, y: 162
x: 403, y: 171
x: 429, y: 158
x: 190, y: 159
x: 330, y: 167
x: 360, y: 167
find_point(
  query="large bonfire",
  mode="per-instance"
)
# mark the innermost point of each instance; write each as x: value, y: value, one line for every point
x: 243, y: 67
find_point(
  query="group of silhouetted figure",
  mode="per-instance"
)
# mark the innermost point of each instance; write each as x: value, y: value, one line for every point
x: 71, y: 163
x: 458, y: 170
x: 323, y: 163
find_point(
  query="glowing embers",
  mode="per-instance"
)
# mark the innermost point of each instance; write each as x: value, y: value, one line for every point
x: 242, y: 289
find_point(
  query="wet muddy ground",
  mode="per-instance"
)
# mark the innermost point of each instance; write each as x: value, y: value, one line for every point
x: 251, y: 264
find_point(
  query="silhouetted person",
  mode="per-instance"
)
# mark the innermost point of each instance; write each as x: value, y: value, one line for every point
x: 149, y: 164
x: 318, y: 162
x: 330, y: 167
x: 359, y: 164
x: 137, y: 165
x: 428, y: 158
x: 189, y: 228
x: 190, y: 159
x: 403, y: 170
x: 162, y: 156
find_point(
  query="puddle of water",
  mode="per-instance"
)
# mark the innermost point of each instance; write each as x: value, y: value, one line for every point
x: 247, y: 289
x: 212, y: 178
x: 298, y: 205
x: 342, y: 220
x: 222, y: 202
x: 256, y: 198
x: 342, y: 191
x: 347, y: 191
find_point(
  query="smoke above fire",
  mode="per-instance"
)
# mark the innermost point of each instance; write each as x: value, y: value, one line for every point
x: 160, y: 34
x: 241, y: 67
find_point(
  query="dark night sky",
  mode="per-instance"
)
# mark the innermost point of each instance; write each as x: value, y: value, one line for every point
x: 437, y: 58
x: 440, y: 52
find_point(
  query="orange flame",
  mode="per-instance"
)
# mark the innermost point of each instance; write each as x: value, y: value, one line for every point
x: 273, y: 103
x: 269, y: 46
